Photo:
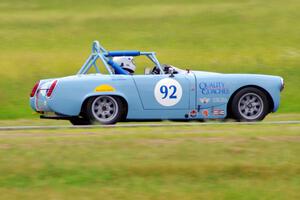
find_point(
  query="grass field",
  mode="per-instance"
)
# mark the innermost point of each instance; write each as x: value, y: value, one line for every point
x: 41, y: 39
x: 52, y: 38
x: 203, y: 162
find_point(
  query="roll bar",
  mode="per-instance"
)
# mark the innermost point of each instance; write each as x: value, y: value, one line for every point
x: 99, y: 52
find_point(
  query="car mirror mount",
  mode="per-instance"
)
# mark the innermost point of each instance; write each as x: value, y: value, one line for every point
x: 171, y: 71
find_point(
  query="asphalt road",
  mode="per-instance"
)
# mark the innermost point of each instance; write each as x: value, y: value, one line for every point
x: 172, y: 124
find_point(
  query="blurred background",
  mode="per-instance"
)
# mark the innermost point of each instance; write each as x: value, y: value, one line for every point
x: 52, y: 38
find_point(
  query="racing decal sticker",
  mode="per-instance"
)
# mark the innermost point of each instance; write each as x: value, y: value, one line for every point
x: 213, y: 88
x: 205, y: 113
x: 218, y: 112
x: 219, y: 100
x: 104, y: 88
x: 168, y: 92
x: 204, y: 100
x: 193, y: 113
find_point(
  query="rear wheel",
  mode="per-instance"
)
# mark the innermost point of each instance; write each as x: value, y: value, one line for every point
x: 250, y: 104
x: 105, y: 109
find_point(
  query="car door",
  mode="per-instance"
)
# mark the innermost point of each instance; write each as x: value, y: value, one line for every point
x: 163, y: 92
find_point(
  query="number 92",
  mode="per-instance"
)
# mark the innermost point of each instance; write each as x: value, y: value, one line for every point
x: 168, y: 90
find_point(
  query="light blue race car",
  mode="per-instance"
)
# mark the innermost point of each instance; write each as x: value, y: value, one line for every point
x: 164, y: 92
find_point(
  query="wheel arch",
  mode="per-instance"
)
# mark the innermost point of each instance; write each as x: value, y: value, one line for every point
x: 122, y: 98
x: 269, y: 97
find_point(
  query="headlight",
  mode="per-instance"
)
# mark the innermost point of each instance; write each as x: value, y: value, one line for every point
x: 282, y: 84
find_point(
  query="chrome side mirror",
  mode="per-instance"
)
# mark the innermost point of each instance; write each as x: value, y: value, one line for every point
x: 171, y: 72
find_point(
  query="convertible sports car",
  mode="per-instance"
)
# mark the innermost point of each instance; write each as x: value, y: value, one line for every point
x: 164, y: 92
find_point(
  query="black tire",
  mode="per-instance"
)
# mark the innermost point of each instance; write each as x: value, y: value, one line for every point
x: 77, y: 121
x: 116, y: 116
x: 250, y: 104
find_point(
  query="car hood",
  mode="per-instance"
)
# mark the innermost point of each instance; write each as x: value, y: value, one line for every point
x: 205, y: 73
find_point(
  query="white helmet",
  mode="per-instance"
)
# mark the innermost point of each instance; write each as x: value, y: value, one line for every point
x: 126, y: 62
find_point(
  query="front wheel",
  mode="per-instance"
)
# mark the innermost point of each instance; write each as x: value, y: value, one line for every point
x: 105, y: 109
x: 250, y: 104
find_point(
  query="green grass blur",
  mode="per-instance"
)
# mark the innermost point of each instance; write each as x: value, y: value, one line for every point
x: 198, y: 162
x: 42, y: 39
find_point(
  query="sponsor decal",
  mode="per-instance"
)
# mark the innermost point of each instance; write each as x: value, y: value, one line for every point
x: 204, y: 100
x: 219, y: 100
x: 193, y: 113
x: 198, y: 108
x: 213, y: 88
x: 104, y: 88
x: 167, y: 92
x: 205, y: 113
x: 218, y: 112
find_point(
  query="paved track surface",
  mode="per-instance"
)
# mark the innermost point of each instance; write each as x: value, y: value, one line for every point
x: 129, y: 125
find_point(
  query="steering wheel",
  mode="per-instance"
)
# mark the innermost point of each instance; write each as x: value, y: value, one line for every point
x: 155, y: 70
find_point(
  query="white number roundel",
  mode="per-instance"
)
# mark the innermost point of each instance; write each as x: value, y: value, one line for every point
x: 168, y: 92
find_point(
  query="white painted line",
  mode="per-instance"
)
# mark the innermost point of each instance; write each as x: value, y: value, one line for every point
x: 130, y: 125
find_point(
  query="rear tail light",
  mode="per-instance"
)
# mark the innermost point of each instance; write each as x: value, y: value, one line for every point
x: 34, y: 89
x: 50, y: 90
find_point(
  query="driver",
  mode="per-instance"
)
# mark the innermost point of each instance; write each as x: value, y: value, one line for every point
x: 126, y: 62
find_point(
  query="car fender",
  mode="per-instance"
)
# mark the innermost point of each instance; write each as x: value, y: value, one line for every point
x: 96, y: 94
x: 228, y: 84
x: 70, y: 94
